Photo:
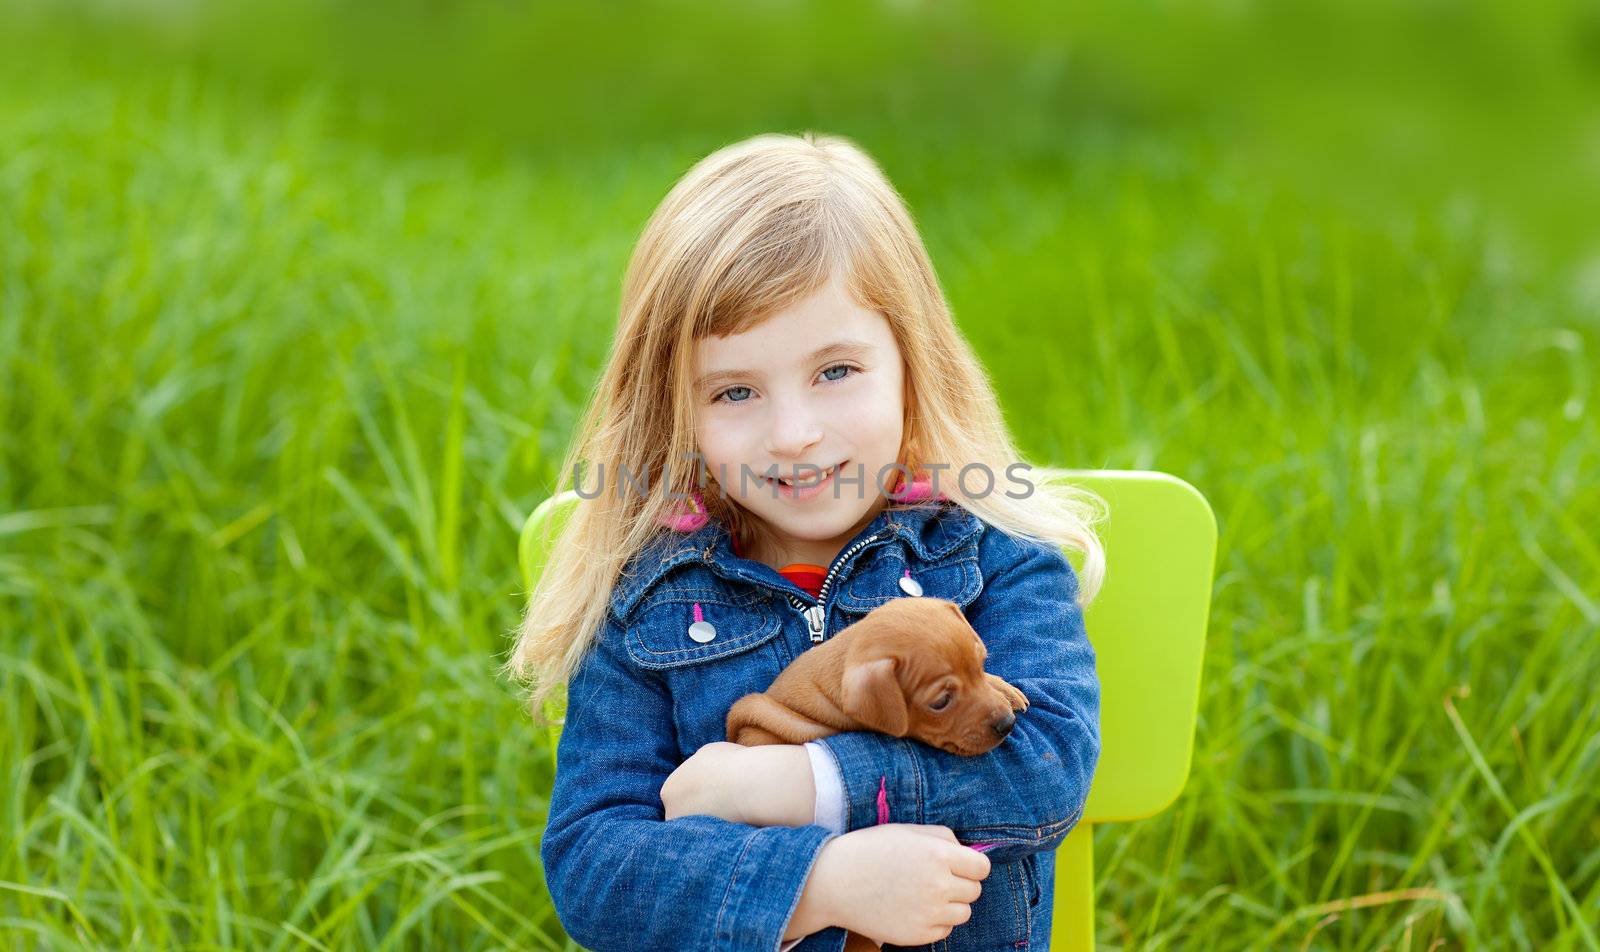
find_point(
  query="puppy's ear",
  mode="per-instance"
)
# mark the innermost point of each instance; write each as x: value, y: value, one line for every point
x: 872, y: 695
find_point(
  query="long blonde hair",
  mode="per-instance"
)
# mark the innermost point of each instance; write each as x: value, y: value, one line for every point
x: 750, y: 230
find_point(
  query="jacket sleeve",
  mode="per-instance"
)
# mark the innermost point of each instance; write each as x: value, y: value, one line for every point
x: 695, y: 882
x: 1026, y: 794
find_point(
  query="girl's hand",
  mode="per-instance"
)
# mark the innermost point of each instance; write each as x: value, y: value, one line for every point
x: 770, y: 785
x: 897, y: 883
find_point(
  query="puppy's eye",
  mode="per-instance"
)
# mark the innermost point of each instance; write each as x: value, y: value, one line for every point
x: 942, y: 703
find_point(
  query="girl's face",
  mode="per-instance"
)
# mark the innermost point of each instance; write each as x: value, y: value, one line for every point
x: 811, y: 387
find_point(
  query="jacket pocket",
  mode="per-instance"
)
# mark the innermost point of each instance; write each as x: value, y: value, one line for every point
x: 955, y: 578
x: 658, y: 636
x: 1003, y: 918
x: 1030, y: 879
x: 705, y: 678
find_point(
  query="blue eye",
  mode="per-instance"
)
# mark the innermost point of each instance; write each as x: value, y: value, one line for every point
x: 844, y: 367
x: 725, y: 397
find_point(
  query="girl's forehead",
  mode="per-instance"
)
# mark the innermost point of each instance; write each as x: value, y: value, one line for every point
x: 827, y: 321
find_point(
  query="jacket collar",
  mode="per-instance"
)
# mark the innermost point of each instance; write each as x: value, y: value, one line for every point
x: 930, y: 530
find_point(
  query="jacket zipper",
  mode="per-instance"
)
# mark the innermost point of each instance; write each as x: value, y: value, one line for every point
x: 816, y: 616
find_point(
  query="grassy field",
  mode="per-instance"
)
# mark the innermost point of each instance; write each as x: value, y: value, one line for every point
x: 298, y: 307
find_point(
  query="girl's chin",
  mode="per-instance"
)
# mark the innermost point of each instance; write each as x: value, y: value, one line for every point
x: 845, y: 519
x: 816, y: 520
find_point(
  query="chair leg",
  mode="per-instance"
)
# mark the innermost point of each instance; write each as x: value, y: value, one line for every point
x: 1072, y: 920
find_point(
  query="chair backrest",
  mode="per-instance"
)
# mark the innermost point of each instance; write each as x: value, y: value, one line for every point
x: 1147, y: 626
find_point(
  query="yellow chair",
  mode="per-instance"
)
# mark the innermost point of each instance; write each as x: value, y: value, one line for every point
x: 1147, y: 626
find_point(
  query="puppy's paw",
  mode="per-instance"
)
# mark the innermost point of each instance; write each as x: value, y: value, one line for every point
x: 1019, y: 701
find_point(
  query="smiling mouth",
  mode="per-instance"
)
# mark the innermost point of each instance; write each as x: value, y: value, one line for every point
x: 797, y: 488
x: 810, y: 482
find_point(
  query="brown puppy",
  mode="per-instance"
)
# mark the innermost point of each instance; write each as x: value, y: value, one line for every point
x: 912, y: 667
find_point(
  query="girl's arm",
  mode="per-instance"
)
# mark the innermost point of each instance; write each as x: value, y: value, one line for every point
x: 697, y: 882
x: 769, y: 785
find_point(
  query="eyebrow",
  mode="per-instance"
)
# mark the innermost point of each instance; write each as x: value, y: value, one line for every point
x: 839, y: 348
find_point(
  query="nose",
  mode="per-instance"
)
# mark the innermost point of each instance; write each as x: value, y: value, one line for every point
x: 1004, y: 724
x: 794, y: 430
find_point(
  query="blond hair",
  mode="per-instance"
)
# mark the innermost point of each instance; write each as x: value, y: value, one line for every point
x: 750, y: 230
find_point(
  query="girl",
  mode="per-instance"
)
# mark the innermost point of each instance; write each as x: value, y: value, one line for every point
x: 785, y: 360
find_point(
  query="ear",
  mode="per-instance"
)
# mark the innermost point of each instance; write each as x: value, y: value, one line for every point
x: 872, y: 695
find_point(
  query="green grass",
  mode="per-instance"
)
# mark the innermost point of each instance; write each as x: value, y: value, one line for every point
x: 297, y: 312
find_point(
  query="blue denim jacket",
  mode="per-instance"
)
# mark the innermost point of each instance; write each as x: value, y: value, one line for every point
x: 647, y: 696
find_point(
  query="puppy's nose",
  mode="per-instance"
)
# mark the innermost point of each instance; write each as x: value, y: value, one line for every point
x: 1003, y: 726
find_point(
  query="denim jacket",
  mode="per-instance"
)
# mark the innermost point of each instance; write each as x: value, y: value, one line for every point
x: 648, y: 695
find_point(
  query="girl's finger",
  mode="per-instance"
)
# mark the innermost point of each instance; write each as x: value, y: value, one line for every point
x: 955, y: 913
x: 966, y: 890
x: 970, y: 864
